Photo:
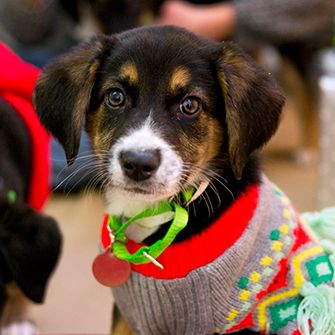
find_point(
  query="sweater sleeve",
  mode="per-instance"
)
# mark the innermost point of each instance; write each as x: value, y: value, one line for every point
x: 284, y: 21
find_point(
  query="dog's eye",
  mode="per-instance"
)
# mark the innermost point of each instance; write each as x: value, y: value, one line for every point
x: 189, y: 106
x: 115, y: 98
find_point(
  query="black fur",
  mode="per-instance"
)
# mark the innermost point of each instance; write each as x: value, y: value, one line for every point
x: 29, y: 241
x: 243, y: 98
x: 240, y: 99
x: 56, y: 99
x: 15, y: 148
x: 113, y: 16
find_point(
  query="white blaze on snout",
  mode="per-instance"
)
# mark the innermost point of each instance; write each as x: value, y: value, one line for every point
x: 163, y: 184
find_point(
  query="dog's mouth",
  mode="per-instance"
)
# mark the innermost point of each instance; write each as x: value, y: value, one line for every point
x: 146, y: 191
x: 137, y: 190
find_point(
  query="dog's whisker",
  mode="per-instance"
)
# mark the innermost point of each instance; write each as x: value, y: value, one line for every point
x: 208, y: 202
x: 213, y: 173
x: 94, y: 181
x: 203, y: 197
x: 78, y: 158
x: 194, y: 209
x: 227, y: 188
x: 79, y: 181
x: 216, y: 192
x: 100, y: 180
x: 211, y: 176
x: 105, y: 183
x: 92, y: 166
x: 68, y: 178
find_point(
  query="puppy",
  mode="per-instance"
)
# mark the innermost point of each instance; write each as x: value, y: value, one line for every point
x: 29, y: 241
x: 169, y: 112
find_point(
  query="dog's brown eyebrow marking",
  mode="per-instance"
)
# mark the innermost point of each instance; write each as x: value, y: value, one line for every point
x: 180, y: 78
x: 129, y: 72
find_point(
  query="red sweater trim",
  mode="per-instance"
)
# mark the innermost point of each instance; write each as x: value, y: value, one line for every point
x: 181, y: 258
x: 17, y: 81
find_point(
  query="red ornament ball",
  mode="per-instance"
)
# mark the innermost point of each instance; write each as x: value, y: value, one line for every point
x: 109, y: 270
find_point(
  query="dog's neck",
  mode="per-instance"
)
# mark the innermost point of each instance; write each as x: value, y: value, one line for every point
x: 120, y: 205
x: 219, y: 196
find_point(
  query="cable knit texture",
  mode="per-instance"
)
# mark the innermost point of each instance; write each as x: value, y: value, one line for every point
x: 253, y: 284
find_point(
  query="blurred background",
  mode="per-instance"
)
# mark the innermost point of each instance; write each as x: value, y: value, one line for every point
x: 292, y: 39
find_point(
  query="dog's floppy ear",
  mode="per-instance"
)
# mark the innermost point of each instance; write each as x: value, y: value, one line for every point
x: 253, y: 103
x: 63, y: 91
x: 30, y: 245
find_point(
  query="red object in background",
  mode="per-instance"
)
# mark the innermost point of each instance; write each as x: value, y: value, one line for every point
x: 17, y: 82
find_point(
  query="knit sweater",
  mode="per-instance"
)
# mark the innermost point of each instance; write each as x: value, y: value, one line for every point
x: 17, y: 81
x: 244, y: 271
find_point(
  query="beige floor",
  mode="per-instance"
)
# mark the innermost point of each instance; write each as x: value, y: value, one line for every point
x: 76, y: 303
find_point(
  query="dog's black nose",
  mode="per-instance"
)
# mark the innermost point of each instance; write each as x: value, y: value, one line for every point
x: 141, y: 164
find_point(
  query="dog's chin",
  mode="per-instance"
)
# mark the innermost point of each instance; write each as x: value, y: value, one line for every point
x: 137, y: 193
x: 129, y: 200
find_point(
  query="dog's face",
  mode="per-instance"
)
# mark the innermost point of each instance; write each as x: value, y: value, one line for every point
x: 164, y: 109
x: 156, y: 116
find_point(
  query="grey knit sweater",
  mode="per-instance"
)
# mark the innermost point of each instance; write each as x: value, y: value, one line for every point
x: 236, y: 290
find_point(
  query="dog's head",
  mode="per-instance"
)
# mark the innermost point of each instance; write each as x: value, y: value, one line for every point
x: 164, y: 108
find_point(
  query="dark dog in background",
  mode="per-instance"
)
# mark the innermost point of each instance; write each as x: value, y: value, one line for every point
x: 30, y: 242
x: 113, y: 16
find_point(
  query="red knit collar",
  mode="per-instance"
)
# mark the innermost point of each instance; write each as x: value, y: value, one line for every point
x: 17, y: 81
x: 183, y: 257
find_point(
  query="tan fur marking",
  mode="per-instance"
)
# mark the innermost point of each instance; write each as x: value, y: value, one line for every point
x: 16, y: 306
x: 180, y: 78
x: 100, y: 138
x: 119, y: 324
x: 128, y: 71
x: 213, y: 143
x: 101, y: 141
x: 84, y: 96
x: 122, y: 328
x: 204, y: 150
